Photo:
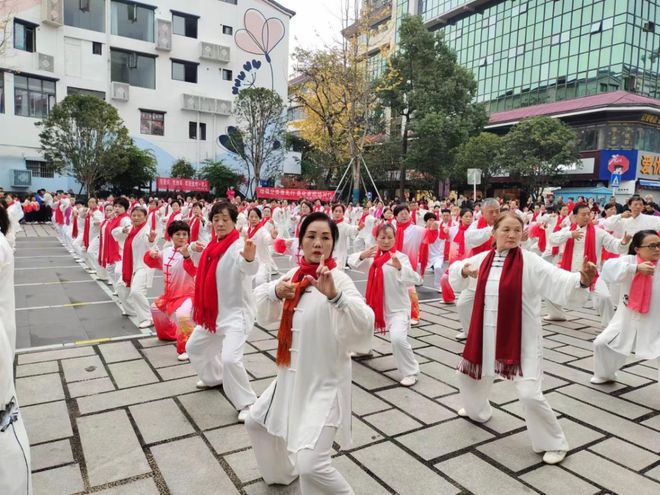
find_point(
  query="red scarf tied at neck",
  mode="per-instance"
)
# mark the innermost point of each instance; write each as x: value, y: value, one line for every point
x: 74, y: 232
x: 429, y: 238
x: 169, y: 221
x: 589, y: 250
x: 88, y: 226
x: 641, y: 291
x: 375, y: 295
x: 194, y: 229
x: 399, y: 236
x: 127, y: 263
x: 205, y: 312
x: 509, y: 320
x: 459, y: 239
x: 560, y: 220
x: 285, y: 332
x: 253, y: 230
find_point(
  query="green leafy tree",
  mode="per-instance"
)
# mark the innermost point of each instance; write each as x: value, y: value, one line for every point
x: 432, y: 97
x: 535, y: 151
x: 81, y: 137
x: 220, y: 176
x: 481, y: 151
x: 182, y: 169
x: 132, y: 169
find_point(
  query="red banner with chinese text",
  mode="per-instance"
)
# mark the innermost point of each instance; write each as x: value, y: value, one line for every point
x: 182, y: 184
x: 294, y: 194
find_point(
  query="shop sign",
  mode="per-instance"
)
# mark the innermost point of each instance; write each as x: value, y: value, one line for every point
x: 649, y: 165
x: 618, y: 162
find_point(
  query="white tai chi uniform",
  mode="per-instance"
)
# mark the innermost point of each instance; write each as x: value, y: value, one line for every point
x: 539, y: 279
x: 114, y: 269
x: 629, y: 331
x: 632, y: 225
x: 218, y: 356
x: 264, y: 240
x: 14, y: 444
x: 364, y: 238
x: 340, y: 251
x: 397, y: 307
x: 293, y: 424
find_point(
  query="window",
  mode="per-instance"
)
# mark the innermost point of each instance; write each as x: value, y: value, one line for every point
x: 184, y: 71
x: 202, y: 131
x: 132, y: 20
x: 649, y: 27
x: 2, y: 92
x: 227, y: 75
x: 227, y: 30
x: 40, y: 169
x: 192, y: 131
x: 152, y: 122
x: 596, y: 27
x: 133, y: 68
x: 33, y: 96
x: 97, y: 48
x: 88, y: 92
x: 25, y: 35
x: 85, y: 14
x: 184, y: 24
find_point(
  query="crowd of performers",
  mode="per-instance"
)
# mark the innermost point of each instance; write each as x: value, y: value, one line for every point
x: 217, y: 261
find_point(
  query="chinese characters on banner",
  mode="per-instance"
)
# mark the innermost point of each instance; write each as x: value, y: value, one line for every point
x: 649, y: 164
x: 294, y: 194
x: 182, y: 184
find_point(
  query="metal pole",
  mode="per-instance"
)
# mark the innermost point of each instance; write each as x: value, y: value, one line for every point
x: 344, y: 176
x: 474, y: 194
x: 370, y: 177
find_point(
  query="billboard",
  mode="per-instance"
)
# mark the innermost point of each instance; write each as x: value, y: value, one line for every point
x: 622, y: 161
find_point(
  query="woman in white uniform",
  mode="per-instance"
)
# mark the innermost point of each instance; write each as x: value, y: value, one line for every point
x: 257, y: 231
x: 323, y: 318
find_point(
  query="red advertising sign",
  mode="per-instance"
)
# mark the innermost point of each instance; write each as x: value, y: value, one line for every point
x: 182, y: 184
x: 294, y: 194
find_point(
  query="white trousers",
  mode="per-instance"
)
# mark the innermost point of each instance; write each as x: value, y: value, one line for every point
x: 114, y: 274
x: 314, y: 466
x: 263, y: 275
x: 604, y: 307
x: 555, y: 312
x: 438, y: 272
x: 78, y: 246
x: 218, y: 359
x: 15, y: 460
x: 398, y: 326
x: 464, y: 306
x: 542, y: 425
x: 134, y: 298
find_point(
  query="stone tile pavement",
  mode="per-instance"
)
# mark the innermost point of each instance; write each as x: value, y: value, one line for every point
x: 125, y: 418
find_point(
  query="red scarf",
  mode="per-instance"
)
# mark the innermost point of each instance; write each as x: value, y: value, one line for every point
x: 429, y: 238
x: 605, y: 254
x: 111, y: 246
x: 127, y: 263
x: 169, y: 221
x: 641, y: 290
x: 152, y: 212
x: 398, y: 238
x: 413, y: 213
x: 88, y: 222
x: 337, y: 222
x: 482, y: 224
x: 285, y: 333
x: 205, y: 312
x: 445, y: 237
x: 101, y: 255
x: 509, y: 320
x: 375, y: 295
x: 194, y: 229
x: 59, y: 215
x: 74, y: 233
x: 589, y: 250
x: 253, y: 230
x: 459, y: 239
x: 560, y: 220
x: 365, y: 214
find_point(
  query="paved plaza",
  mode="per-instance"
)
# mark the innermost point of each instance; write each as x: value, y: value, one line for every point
x: 124, y: 416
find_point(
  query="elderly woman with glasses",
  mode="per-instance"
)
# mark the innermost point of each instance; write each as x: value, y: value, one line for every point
x: 636, y: 279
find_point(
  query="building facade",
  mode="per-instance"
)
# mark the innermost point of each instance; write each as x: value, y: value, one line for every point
x: 171, y: 68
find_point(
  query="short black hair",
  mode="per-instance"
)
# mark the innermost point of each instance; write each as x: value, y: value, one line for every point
x: 221, y: 206
x: 318, y: 216
x: 638, y: 240
x: 445, y: 210
x: 635, y: 197
x: 256, y: 210
x: 400, y: 207
x: 175, y: 201
x: 578, y: 207
x: 430, y: 215
x: 4, y: 220
x: 178, y: 226
x: 339, y: 205
x: 122, y: 201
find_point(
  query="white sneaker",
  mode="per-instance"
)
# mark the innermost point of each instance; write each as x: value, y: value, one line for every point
x: 243, y: 414
x: 599, y: 381
x: 554, y: 318
x: 461, y: 336
x: 462, y: 412
x: 146, y: 324
x: 201, y: 385
x: 409, y: 381
x: 554, y: 456
x: 183, y: 356
x: 414, y: 322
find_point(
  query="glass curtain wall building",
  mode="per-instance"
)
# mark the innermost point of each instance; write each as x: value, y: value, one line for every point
x: 539, y: 51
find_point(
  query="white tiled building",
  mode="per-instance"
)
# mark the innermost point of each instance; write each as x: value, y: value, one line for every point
x: 171, y: 67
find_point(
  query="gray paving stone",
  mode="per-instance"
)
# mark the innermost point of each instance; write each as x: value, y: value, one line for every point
x: 111, y: 448
x: 362, y: 434
x: 450, y: 436
x: 145, y: 486
x: 365, y: 403
x: 228, y: 439
x: 90, y: 387
x: 160, y: 420
x: 38, y: 357
x: 132, y: 373
x: 383, y: 363
x: 553, y: 480
x: 84, y: 368
x: 654, y: 473
x: 174, y: 372
x: 609, y: 475
x: 647, y: 396
x: 440, y: 355
x: 204, y: 475
x: 641, y: 370
x: 39, y: 389
x: 448, y: 344
x: 64, y: 480
x: 577, y: 376
x: 209, y: 409
x: 606, y: 401
x: 149, y: 342
x: 244, y: 465
x: 503, y: 422
x: 359, y: 480
x: 368, y: 378
x: 445, y: 374
x: 505, y: 391
x: 625, y: 453
x: 136, y: 395
x: 392, y: 422
x: 161, y: 356
x: 51, y: 454
x: 625, y: 378
x: 427, y: 386
x: 479, y: 477
x: 416, y: 405
x: 119, y: 351
x: 571, y: 350
x: 37, y: 369
x: 46, y: 422
x: 406, y: 476
x: 654, y: 422
x: 259, y: 366
x: 261, y: 488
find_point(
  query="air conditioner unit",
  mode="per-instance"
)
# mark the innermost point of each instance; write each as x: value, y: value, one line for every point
x: 21, y: 178
x: 46, y: 62
x: 52, y: 12
x: 205, y: 104
x: 191, y: 102
x: 223, y: 107
x: 163, y: 35
x: 120, y: 91
x: 216, y: 53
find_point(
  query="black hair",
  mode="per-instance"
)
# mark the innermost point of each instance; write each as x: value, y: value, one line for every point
x: 386, y: 208
x: 400, y: 207
x: 638, y: 240
x: 196, y: 203
x: 142, y: 209
x: 445, y: 210
x: 635, y: 197
x: 464, y: 211
x: 256, y: 210
x: 430, y: 215
x: 122, y: 202
x: 308, y: 203
x: 80, y: 202
x: 339, y: 205
x: 221, y: 206
x: 175, y: 201
x: 4, y: 220
x: 578, y: 207
x: 385, y: 226
x: 178, y: 226
x: 318, y: 216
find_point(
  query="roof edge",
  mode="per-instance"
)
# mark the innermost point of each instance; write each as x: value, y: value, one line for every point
x: 281, y: 8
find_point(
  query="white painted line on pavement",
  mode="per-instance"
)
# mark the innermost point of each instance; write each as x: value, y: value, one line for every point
x: 82, y: 343
x: 45, y: 267
x: 70, y: 305
x: 42, y: 256
x: 54, y: 283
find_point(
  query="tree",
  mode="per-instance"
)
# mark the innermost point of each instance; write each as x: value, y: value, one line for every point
x: 131, y: 169
x: 433, y: 97
x: 220, y: 177
x: 536, y: 150
x: 81, y: 137
x: 182, y: 169
x: 5, y: 18
x: 260, y: 118
x: 481, y: 151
